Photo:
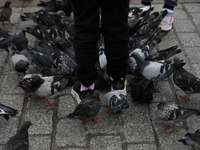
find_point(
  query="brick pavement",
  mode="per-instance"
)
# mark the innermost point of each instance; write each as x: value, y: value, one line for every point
x: 135, y: 128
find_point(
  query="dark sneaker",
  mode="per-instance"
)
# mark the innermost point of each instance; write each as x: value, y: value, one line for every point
x: 119, y: 85
x: 77, y: 94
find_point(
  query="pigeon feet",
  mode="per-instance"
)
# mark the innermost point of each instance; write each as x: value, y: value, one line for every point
x: 19, y: 75
x: 85, y: 121
x: 12, y: 23
x: 110, y: 111
x: 184, y: 98
x: 168, y: 131
x: 41, y: 98
x: 155, y: 87
x: 50, y: 104
x: 166, y: 124
x: 29, y: 95
x: 96, y: 120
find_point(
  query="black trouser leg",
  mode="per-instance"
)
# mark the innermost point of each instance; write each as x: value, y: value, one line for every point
x: 115, y: 31
x: 87, y: 33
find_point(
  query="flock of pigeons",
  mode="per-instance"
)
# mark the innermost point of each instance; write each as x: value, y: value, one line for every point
x: 53, y: 66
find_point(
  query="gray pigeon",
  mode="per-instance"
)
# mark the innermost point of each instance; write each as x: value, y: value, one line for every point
x: 6, y: 111
x: 88, y: 108
x: 170, y: 113
x: 19, y: 141
x: 43, y: 86
x: 116, y: 101
x: 154, y: 71
x: 191, y: 138
x: 185, y: 80
x: 5, y: 12
x: 18, y: 61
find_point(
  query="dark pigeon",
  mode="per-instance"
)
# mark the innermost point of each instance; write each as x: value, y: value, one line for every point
x: 6, y: 111
x: 185, y: 80
x: 20, y: 41
x: 6, y: 12
x: 88, y: 108
x: 163, y: 54
x: 191, y: 138
x: 19, y: 141
x: 142, y: 91
x: 116, y: 101
x: 170, y: 113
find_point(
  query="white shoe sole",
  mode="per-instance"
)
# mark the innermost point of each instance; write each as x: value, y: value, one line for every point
x: 76, y: 96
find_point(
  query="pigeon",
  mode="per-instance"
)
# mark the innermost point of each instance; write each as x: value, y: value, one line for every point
x: 154, y: 71
x: 19, y: 141
x: 88, y: 108
x: 191, y: 138
x: 142, y: 91
x: 18, y: 61
x: 185, y: 80
x: 4, y: 34
x: 20, y: 41
x: 170, y: 113
x: 164, y: 54
x: 44, y: 86
x: 6, y: 111
x: 5, y: 12
x: 42, y: 58
x: 116, y: 101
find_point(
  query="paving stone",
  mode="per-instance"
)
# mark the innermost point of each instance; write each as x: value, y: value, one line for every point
x: 192, y: 54
x: 70, y: 132
x: 141, y: 133
x: 41, y: 120
x: 142, y: 146
x: 68, y: 102
x: 74, y: 149
x: 105, y: 142
x: 3, y: 57
x: 193, y: 7
x: 170, y: 141
x: 183, y: 26
x: 164, y: 91
x: 1, y: 146
x: 195, y: 18
x: 179, y: 14
x: 39, y: 142
x: 9, y: 85
x: 186, y: 39
x: 13, y: 101
x: 109, y: 123
x: 8, y: 129
x: 197, y: 70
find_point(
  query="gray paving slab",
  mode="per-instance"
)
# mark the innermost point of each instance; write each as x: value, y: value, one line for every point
x: 141, y: 146
x: 183, y: 26
x: 105, y: 142
x: 189, y: 39
x: 40, y: 142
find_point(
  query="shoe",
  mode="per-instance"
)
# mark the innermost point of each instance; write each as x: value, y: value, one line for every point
x: 166, y: 23
x: 119, y: 85
x: 77, y: 94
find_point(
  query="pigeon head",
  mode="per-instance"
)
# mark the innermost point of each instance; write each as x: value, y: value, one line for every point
x: 177, y: 63
x: 22, y: 66
x: 7, y: 3
x: 24, y: 128
x: 118, y: 102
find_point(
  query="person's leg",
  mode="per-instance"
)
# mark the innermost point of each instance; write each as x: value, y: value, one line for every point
x: 146, y: 2
x: 115, y: 31
x: 87, y: 33
x: 166, y: 23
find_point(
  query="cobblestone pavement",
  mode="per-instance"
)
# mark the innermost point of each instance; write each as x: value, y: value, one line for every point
x: 135, y: 128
